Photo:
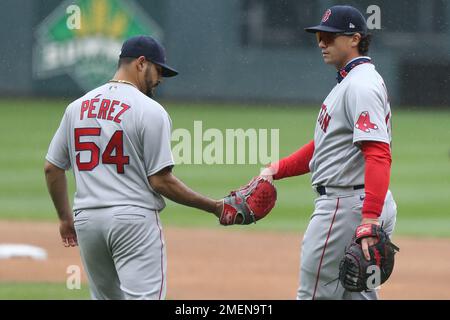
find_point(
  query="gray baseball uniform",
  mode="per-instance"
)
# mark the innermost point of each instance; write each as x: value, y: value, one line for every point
x: 357, y: 109
x: 114, y: 137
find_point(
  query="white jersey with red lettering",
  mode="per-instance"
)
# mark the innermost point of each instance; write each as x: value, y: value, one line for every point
x: 113, y: 137
x: 357, y: 109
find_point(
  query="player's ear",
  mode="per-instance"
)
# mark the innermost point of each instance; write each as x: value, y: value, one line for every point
x: 356, y: 38
x: 141, y: 63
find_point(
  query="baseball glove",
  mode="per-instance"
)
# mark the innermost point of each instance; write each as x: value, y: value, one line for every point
x: 249, y: 203
x: 355, y: 272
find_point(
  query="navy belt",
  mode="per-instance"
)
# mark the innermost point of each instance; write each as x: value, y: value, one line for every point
x: 323, y: 191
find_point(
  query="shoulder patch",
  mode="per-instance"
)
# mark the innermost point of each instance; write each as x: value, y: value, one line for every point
x: 363, y: 123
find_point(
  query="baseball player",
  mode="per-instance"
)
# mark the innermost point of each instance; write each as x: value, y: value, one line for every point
x: 349, y: 158
x: 116, y: 139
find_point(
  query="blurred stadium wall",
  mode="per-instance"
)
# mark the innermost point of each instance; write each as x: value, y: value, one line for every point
x: 246, y: 50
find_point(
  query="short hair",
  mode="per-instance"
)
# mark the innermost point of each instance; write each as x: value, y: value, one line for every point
x: 364, y: 43
x: 124, y: 61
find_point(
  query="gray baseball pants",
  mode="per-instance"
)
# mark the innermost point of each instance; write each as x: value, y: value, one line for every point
x: 123, y: 252
x: 331, y: 228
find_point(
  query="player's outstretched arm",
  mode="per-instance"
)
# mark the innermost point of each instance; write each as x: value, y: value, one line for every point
x: 294, y: 165
x: 165, y: 183
x: 57, y: 187
x: 243, y: 206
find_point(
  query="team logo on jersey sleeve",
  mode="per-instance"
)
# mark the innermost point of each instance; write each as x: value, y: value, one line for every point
x: 363, y: 123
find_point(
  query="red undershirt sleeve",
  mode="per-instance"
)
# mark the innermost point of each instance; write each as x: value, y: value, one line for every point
x: 296, y: 164
x: 378, y: 160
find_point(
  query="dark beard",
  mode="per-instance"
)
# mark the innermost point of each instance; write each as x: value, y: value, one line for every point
x: 150, y: 93
x: 150, y: 88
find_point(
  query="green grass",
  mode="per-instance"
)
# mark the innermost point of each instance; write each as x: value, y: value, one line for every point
x: 420, y: 173
x: 41, y: 291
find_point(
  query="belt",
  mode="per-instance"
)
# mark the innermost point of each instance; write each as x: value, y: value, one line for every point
x: 323, y: 191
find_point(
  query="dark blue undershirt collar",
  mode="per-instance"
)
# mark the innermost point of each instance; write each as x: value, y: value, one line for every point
x: 341, y: 74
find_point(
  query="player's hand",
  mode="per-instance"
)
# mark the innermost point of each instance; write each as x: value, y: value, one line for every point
x: 368, y: 241
x: 67, y: 232
x: 267, y: 174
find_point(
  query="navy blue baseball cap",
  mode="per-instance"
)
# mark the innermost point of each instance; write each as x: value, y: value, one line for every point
x: 341, y: 19
x: 148, y: 47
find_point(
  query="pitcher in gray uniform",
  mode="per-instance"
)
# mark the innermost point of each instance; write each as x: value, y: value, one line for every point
x: 349, y: 158
x: 116, y: 138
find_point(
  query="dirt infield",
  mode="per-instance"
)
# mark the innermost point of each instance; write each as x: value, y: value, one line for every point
x: 228, y: 264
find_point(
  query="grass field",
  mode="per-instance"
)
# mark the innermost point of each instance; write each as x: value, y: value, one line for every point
x: 41, y: 291
x: 420, y: 173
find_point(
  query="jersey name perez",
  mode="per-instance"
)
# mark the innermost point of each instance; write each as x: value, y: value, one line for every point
x: 103, y: 109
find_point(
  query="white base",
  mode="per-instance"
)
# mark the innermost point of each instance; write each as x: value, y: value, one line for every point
x: 8, y: 251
